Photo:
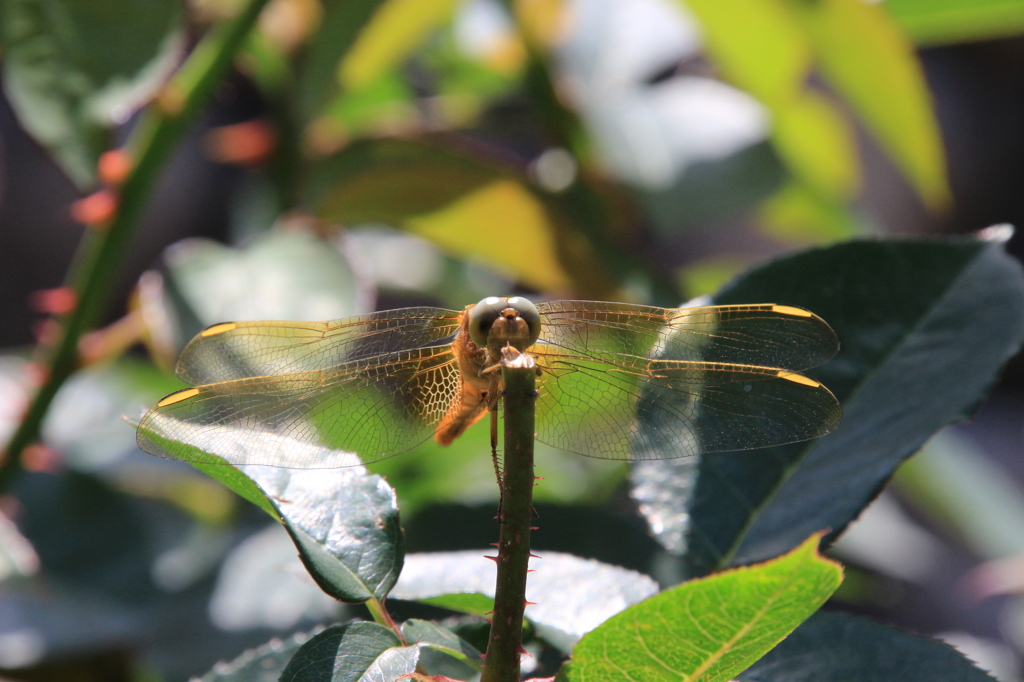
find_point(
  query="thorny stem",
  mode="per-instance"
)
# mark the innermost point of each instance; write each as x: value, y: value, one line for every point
x: 101, y: 250
x: 504, y: 647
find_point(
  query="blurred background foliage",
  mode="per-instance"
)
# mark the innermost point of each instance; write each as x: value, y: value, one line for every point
x: 372, y: 154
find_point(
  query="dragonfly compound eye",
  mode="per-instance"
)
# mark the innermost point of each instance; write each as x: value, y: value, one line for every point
x: 482, y: 317
x: 529, y: 313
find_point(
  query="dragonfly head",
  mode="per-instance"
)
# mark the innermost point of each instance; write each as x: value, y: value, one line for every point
x: 494, y: 322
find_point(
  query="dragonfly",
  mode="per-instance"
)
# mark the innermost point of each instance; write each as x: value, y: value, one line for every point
x: 615, y: 381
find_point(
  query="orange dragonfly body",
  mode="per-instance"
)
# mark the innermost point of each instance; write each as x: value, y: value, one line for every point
x: 616, y: 381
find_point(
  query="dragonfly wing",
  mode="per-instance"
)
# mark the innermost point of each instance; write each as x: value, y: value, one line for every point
x: 632, y: 408
x: 361, y: 412
x: 241, y: 350
x: 765, y: 335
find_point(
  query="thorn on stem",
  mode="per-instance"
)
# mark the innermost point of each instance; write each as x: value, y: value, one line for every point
x: 242, y: 144
x: 114, y: 166
x: 59, y: 301
x: 95, y: 210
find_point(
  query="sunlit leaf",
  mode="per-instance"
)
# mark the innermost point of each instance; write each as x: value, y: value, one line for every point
x: 317, y: 77
x: 759, y: 45
x: 279, y: 276
x: 72, y: 72
x: 394, y: 31
x: 355, y: 552
x: 562, y: 589
x: 708, y: 629
x: 763, y: 47
x: 941, y: 22
x: 261, y: 585
x: 817, y: 145
x: 468, y: 206
x: 837, y: 646
x: 872, y: 64
x: 796, y: 214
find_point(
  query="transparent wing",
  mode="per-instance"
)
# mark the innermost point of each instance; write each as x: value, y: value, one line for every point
x: 765, y: 335
x: 376, y: 407
x: 241, y: 350
x: 633, y: 408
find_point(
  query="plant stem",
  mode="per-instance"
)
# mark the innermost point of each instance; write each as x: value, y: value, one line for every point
x: 101, y: 250
x: 504, y: 647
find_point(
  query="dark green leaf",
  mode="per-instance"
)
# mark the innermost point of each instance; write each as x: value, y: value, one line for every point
x: 355, y: 652
x: 75, y: 68
x: 708, y: 629
x: 262, y: 664
x: 836, y: 646
x: 924, y: 327
x: 941, y: 22
x: 344, y: 523
x: 445, y: 652
x: 562, y: 589
x: 430, y: 634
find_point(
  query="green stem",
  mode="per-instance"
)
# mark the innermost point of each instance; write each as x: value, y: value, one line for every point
x: 504, y: 647
x: 381, y: 616
x: 101, y: 251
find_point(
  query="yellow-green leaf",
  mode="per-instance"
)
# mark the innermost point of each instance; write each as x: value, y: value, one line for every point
x: 503, y: 223
x: 762, y: 46
x: 393, y: 32
x: 797, y: 215
x: 759, y: 45
x: 817, y: 145
x: 872, y: 64
x: 710, y: 629
x: 942, y: 22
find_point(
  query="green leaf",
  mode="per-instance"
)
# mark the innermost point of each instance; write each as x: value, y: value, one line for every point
x: 763, y: 47
x: 318, y: 71
x: 708, y: 629
x: 73, y: 69
x: 837, y: 646
x: 817, y: 145
x: 562, y: 589
x: 872, y: 64
x: 448, y: 196
x: 278, y: 276
x: 924, y: 327
x: 238, y: 483
x: 355, y: 552
x: 797, y: 215
x: 262, y: 664
x: 942, y: 22
x: 433, y: 635
x: 356, y: 652
x: 395, y: 30
x: 759, y: 45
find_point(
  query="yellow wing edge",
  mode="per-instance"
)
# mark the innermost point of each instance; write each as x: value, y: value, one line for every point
x: 797, y: 378
x: 218, y: 329
x: 178, y: 396
x: 790, y: 310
